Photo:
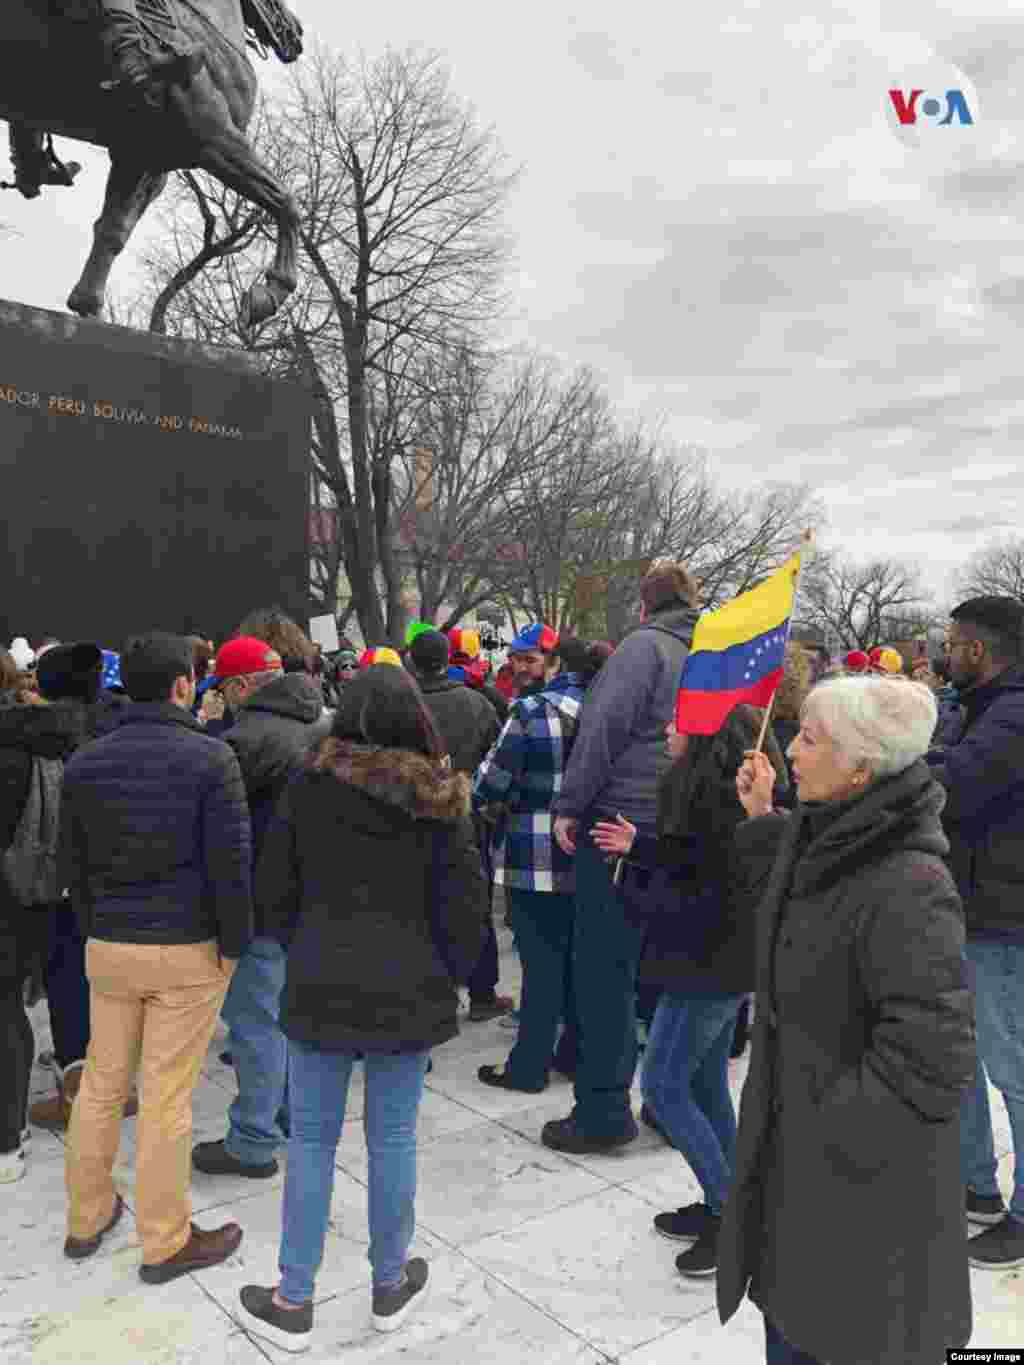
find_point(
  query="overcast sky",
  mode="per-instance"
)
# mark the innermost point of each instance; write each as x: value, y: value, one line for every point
x: 716, y: 214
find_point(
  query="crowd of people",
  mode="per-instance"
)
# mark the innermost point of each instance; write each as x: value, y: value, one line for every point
x: 308, y: 847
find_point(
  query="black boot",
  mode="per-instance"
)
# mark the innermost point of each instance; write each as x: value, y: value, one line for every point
x: 34, y: 164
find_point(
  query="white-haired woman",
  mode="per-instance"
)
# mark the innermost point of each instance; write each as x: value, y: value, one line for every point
x: 845, y: 1223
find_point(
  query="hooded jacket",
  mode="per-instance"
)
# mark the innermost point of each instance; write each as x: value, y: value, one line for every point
x: 863, y: 1047
x: 466, y: 719
x: 619, y: 755
x: 28, y: 732
x: 272, y: 733
x: 983, y: 774
x: 371, y: 878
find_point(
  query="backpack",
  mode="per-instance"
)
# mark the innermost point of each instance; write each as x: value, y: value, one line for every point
x: 30, y: 862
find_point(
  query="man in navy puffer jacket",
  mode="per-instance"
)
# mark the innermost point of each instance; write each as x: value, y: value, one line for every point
x: 156, y: 843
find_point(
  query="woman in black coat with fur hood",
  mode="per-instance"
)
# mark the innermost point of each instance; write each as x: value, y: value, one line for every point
x: 371, y: 878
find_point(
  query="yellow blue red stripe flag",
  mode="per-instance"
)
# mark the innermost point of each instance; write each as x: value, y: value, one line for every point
x: 737, y: 653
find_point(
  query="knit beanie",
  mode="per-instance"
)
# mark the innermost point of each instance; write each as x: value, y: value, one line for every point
x: 886, y: 661
x: 22, y: 654
x: 71, y: 672
x: 416, y: 628
x: 429, y: 652
x: 380, y: 654
x: 465, y: 642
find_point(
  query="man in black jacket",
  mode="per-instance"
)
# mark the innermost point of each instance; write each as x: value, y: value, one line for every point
x: 156, y: 843
x: 466, y: 719
x: 469, y: 726
x: 983, y: 773
x: 279, y: 715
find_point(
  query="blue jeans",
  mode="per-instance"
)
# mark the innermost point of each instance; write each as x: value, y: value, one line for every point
x: 777, y: 1350
x: 999, y: 1008
x: 686, y: 1083
x: 606, y: 954
x: 544, y: 934
x: 259, y: 1052
x: 394, y: 1086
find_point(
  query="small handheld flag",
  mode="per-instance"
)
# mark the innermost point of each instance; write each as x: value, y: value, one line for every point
x: 737, y: 654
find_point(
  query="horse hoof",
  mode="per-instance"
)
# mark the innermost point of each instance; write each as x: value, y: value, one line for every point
x: 258, y: 304
x: 85, y: 305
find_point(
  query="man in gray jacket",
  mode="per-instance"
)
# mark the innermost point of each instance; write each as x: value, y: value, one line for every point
x: 279, y: 716
x: 617, y: 761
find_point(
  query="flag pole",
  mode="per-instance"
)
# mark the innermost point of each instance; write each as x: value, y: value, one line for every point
x: 806, y: 545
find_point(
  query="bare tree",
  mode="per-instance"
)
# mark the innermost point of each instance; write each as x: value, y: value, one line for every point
x: 860, y: 606
x: 400, y: 195
x: 485, y: 439
x: 672, y: 508
x: 997, y: 570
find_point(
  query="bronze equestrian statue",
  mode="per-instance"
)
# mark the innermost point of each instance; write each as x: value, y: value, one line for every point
x: 163, y: 85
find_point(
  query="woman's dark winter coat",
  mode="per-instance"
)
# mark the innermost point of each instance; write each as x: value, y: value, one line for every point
x: 26, y: 732
x: 680, y: 886
x: 370, y: 875
x: 845, y: 1223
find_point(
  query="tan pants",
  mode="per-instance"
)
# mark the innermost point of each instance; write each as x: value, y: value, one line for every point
x: 152, y: 1009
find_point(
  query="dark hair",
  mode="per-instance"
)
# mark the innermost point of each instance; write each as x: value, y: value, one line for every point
x: 152, y: 664
x: 383, y: 706
x: 430, y: 652
x: 276, y: 629
x: 669, y: 585
x: 585, y: 657
x: 998, y: 622
x: 203, y: 655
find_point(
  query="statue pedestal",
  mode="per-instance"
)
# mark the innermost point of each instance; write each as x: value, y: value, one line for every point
x: 147, y: 483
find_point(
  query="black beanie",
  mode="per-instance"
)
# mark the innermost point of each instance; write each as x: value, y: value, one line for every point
x: 71, y: 672
x: 429, y: 651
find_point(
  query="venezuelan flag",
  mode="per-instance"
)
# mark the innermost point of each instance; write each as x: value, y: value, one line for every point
x: 737, y: 654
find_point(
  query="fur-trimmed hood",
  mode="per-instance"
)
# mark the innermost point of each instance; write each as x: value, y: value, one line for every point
x: 424, y: 789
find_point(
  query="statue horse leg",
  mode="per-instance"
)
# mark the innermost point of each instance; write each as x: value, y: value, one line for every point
x: 130, y: 191
x: 229, y: 158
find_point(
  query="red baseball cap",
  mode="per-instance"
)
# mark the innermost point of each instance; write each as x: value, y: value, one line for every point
x: 245, y: 655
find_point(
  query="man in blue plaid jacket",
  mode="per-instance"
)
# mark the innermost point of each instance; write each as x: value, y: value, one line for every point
x: 519, y: 779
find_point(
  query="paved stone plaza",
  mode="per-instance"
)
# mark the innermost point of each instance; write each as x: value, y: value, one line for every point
x: 534, y: 1257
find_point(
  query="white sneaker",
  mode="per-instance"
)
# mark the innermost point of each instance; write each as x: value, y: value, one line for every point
x: 12, y: 1166
x: 391, y: 1307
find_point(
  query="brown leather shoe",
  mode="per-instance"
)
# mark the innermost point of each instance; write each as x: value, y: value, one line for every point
x: 54, y: 1113
x: 202, y: 1250
x: 78, y: 1248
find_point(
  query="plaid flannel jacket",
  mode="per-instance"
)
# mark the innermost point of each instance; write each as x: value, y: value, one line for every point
x: 523, y: 774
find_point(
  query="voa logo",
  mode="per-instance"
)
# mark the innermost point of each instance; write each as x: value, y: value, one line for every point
x: 932, y: 110
x: 912, y: 106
